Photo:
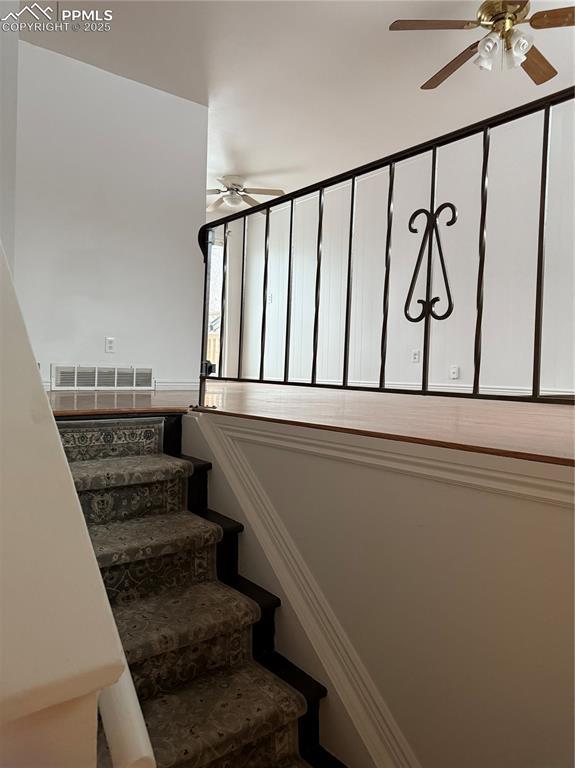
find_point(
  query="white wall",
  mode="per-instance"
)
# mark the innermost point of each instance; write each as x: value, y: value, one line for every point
x: 433, y: 581
x: 8, y: 112
x: 512, y: 226
x: 110, y: 197
x: 59, y: 642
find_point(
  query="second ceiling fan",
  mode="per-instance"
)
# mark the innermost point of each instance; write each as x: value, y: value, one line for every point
x: 234, y: 193
x: 501, y: 18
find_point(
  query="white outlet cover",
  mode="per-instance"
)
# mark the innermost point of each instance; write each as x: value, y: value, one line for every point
x: 110, y: 344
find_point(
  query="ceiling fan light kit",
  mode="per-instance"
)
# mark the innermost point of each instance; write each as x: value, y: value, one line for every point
x: 503, y: 41
x: 232, y: 198
x: 515, y: 47
x: 520, y: 45
x: 488, y: 49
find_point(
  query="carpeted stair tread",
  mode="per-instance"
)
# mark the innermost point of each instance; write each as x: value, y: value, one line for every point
x: 218, y: 714
x: 142, y: 538
x: 277, y: 750
x: 127, y: 470
x: 189, y: 616
x: 188, y: 637
x: 266, y: 753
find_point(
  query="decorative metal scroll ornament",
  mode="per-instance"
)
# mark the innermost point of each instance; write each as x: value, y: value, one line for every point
x: 431, y: 231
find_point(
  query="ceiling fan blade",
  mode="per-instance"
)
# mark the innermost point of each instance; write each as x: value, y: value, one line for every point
x: 450, y: 68
x: 213, y: 191
x: 558, y: 17
x: 258, y: 191
x: 404, y: 25
x: 537, y: 67
x: 249, y: 200
x: 215, y: 205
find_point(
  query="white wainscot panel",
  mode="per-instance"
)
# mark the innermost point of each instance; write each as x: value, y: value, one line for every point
x: 233, y: 298
x: 512, y: 227
x: 368, y: 261
x: 253, y: 296
x: 305, y: 230
x: 459, y: 167
x: 558, y: 342
x: 278, y: 265
x: 335, y: 250
x: 412, y: 190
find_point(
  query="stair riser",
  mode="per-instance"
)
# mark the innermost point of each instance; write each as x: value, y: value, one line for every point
x: 83, y: 441
x: 169, y: 671
x: 108, y: 505
x: 198, y: 490
x: 136, y: 580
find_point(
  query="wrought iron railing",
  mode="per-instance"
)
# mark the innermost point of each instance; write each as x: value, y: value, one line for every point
x: 417, y: 309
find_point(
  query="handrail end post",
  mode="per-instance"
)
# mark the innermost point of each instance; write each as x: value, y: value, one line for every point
x: 205, y: 238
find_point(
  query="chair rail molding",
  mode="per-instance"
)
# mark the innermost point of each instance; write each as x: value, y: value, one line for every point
x: 366, y: 707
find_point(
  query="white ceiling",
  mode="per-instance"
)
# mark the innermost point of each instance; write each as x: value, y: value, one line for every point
x: 299, y: 91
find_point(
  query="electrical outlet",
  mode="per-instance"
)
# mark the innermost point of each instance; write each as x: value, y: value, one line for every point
x: 110, y: 344
x: 270, y: 298
x: 453, y: 371
x: 415, y: 355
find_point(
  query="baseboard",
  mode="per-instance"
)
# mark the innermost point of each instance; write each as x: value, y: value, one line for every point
x: 190, y: 385
x: 446, y: 386
x: 454, y: 386
x: 360, y: 696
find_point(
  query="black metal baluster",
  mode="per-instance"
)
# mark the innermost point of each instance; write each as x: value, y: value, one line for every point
x: 386, y: 278
x: 265, y: 294
x: 242, y: 297
x: 481, y: 128
x: 349, y: 287
x: 538, y: 332
x: 289, y: 297
x: 429, y: 280
x: 481, y: 267
x: 223, y: 300
x: 317, y: 287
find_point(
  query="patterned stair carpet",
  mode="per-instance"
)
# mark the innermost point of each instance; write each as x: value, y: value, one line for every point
x: 187, y: 637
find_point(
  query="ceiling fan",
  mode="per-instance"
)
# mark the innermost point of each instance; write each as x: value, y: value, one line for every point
x: 514, y: 46
x: 234, y: 193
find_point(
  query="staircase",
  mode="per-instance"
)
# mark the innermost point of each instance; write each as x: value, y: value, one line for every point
x: 199, y: 639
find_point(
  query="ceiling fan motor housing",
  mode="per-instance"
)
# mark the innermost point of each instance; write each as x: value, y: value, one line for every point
x: 501, y: 15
